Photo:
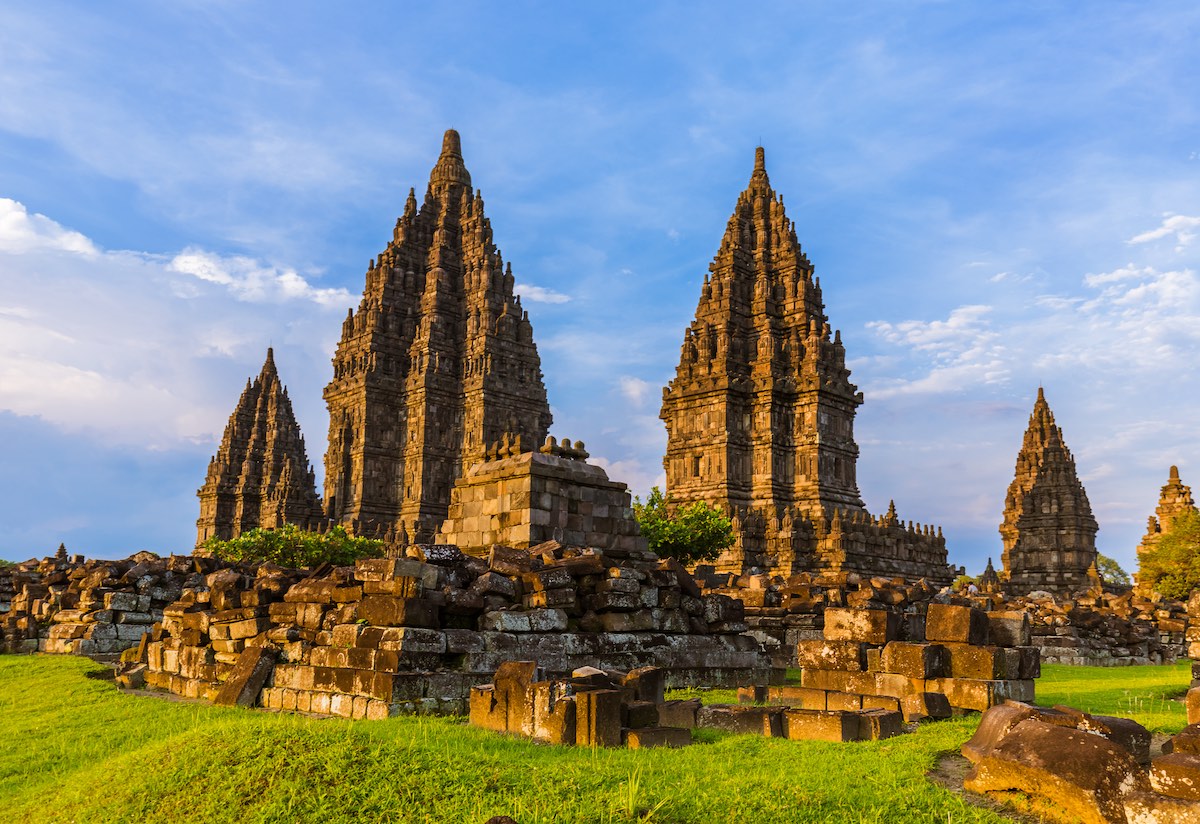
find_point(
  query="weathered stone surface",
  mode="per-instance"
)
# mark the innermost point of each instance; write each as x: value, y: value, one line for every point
x: 1085, y: 775
x: 868, y: 626
x: 821, y: 725
x: 1010, y: 628
x: 598, y: 718
x: 244, y: 683
x: 845, y: 656
x: 956, y: 624
x: 1049, y: 532
x: 260, y: 476
x: 1174, y: 500
x: 1177, y: 774
x: 657, y: 737
x: 440, y: 320
x: 1152, y: 808
x: 741, y: 719
x: 760, y: 413
x: 915, y: 660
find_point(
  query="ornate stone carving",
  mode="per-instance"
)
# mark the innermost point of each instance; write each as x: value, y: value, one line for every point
x: 760, y: 414
x: 1174, y: 499
x: 260, y: 475
x: 1049, y: 532
x: 437, y: 363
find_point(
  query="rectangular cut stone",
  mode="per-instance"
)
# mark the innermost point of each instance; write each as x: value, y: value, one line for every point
x: 598, y: 718
x: 877, y: 724
x: 915, y: 660
x: 953, y: 623
x: 846, y: 656
x: 868, y: 626
x: 741, y: 719
x: 925, y: 705
x: 384, y: 611
x: 1010, y: 628
x: 821, y: 725
x: 978, y: 663
x: 680, y: 714
x: 843, y: 701
x: 244, y: 683
x: 657, y: 737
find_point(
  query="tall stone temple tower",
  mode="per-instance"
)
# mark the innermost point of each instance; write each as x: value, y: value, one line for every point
x: 1049, y: 532
x: 760, y: 415
x: 1174, y: 499
x: 260, y: 476
x: 437, y: 363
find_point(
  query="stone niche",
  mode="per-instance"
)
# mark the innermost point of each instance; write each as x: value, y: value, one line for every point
x: 520, y: 498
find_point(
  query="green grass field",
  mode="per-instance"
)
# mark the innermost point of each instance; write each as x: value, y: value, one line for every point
x: 76, y: 749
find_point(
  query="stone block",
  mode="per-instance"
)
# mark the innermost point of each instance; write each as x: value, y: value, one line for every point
x: 1177, y: 775
x: 1152, y: 808
x: 681, y: 714
x: 915, y: 660
x: 646, y: 684
x: 1010, y: 628
x: 1085, y: 776
x: 956, y: 624
x: 386, y: 611
x: 636, y: 714
x: 983, y: 663
x: 598, y: 718
x: 978, y: 695
x: 637, y: 739
x: 554, y: 713
x: 547, y: 620
x: 877, y: 724
x: 251, y: 671
x: 923, y: 705
x: 868, y: 626
x: 1193, y: 705
x: 1186, y: 740
x: 845, y: 701
x: 414, y: 640
x: 844, y: 656
x: 821, y: 725
x: 881, y: 702
x: 505, y: 621
x: 509, y: 561
x: 746, y: 720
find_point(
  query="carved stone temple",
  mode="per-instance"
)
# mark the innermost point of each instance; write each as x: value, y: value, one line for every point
x: 1174, y: 500
x: 260, y: 476
x: 760, y: 415
x: 1049, y: 532
x: 437, y: 363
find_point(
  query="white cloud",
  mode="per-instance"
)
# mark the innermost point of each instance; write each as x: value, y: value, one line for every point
x: 146, y: 351
x: 539, y: 294
x: 22, y: 232
x: 1182, y: 226
x: 635, y: 390
x: 250, y: 280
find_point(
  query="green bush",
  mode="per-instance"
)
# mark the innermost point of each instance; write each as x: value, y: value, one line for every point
x: 692, y: 532
x: 291, y: 546
x: 1111, y: 571
x: 1171, y: 567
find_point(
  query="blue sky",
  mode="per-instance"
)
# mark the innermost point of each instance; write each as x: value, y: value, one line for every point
x: 995, y: 196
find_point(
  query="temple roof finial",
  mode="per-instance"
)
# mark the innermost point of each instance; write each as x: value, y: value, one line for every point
x: 760, y: 159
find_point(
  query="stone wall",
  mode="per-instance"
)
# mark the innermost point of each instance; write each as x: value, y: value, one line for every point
x: 416, y: 633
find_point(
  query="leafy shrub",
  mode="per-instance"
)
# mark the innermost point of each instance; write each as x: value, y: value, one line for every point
x: 692, y: 532
x: 1111, y: 571
x: 1171, y: 567
x: 291, y: 546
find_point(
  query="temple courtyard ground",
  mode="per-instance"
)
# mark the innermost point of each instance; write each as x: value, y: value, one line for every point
x: 77, y: 749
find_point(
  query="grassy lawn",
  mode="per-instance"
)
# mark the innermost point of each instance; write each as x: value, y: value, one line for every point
x: 76, y: 749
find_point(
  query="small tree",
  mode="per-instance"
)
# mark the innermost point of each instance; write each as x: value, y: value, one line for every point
x: 692, y: 532
x: 1111, y: 571
x: 1171, y: 567
x: 291, y: 546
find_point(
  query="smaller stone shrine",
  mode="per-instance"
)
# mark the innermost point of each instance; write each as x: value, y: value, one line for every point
x: 260, y: 476
x: 1049, y: 531
x: 1174, y: 500
x: 522, y: 498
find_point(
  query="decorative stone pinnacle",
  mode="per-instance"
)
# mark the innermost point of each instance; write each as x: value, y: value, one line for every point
x: 451, y: 143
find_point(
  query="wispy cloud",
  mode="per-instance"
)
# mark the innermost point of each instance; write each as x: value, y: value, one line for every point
x: 1182, y: 227
x: 22, y: 232
x: 249, y: 280
x: 540, y: 294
